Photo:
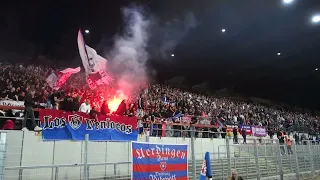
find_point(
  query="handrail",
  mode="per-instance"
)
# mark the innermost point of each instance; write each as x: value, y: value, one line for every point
x: 159, y: 123
x: 16, y: 107
x: 37, y: 109
x: 64, y: 165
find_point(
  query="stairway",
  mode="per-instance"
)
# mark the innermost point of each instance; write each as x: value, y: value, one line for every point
x: 243, y: 161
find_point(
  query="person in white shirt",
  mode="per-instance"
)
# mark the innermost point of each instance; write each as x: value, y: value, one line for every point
x: 85, y: 107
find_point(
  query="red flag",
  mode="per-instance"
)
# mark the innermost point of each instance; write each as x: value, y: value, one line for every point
x: 57, y: 79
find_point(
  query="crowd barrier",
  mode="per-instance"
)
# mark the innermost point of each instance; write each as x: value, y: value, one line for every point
x: 29, y: 157
x: 24, y: 156
x: 168, y: 126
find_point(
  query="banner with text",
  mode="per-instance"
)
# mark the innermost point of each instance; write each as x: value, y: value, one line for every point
x: 247, y: 128
x: 159, y: 161
x: 60, y: 125
x: 15, y: 103
x: 258, y: 131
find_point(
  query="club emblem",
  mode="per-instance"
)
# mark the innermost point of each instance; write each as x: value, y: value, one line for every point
x: 75, y: 121
x: 163, y: 165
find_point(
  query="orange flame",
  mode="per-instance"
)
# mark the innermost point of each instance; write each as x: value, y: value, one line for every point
x: 115, y: 102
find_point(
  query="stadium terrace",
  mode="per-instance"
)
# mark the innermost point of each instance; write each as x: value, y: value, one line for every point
x: 161, y: 153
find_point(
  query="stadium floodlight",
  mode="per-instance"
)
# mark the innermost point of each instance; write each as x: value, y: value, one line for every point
x: 316, y: 19
x: 172, y: 55
x: 316, y: 69
x: 223, y: 30
x: 287, y: 1
x: 279, y: 53
x: 87, y: 31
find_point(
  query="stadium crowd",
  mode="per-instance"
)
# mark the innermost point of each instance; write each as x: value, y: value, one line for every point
x: 155, y: 102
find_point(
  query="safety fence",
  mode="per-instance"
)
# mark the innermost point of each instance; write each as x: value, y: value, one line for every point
x: 24, y: 156
x: 203, y: 123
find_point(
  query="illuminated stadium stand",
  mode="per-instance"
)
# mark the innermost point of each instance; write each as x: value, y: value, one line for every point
x: 26, y: 156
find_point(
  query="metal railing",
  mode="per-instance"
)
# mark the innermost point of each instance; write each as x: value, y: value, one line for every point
x: 112, y: 160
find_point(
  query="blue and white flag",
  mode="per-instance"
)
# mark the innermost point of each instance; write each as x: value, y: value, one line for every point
x: 175, y: 116
x: 220, y: 125
x: 206, y: 168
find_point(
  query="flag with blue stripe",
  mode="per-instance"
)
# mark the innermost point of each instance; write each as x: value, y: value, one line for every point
x: 206, y: 168
x: 159, y: 161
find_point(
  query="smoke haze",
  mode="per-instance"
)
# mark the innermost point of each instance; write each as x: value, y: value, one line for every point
x: 129, y: 55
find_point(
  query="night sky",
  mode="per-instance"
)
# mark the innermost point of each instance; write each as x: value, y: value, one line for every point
x: 243, y: 58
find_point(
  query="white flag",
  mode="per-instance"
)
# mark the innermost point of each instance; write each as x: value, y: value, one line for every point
x: 92, y: 62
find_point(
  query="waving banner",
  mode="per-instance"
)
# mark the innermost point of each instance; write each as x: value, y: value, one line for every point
x: 60, y: 125
x: 159, y: 161
x: 57, y: 79
x: 95, y: 65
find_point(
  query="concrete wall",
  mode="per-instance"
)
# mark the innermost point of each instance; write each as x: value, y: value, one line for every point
x: 27, y: 149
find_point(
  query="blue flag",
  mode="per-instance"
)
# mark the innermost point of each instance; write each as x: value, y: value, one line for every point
x: 206, y: 168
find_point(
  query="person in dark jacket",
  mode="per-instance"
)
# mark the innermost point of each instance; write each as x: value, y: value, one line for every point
x: 235, y: 135
x: 76, y: 103
x: 94, y: 113
x: 122, y: 109
x: 244, y: 135
x: 28, y: 111
x: 105, y: 108
x: 67, y: 104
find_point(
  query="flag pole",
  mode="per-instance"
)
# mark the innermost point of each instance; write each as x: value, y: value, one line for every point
x: 85, y: 49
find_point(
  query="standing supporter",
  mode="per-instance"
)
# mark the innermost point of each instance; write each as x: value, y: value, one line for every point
x: 235, y: 135
x: 54, y: 99
x: 105, y: 108
x: 131, y: 110
x: 12, y: 94
x: 28, y: 111
x: 21, y: 96
x: 85, y: 107
x: 76, y: 102
x: 67, y: 104
x: 224, y: 132
x: 296, y: 137
x: 140, y: 126
x: 140, y: 107
x: 244, y: 135
x: 122, y: 109
x: 94, y: 113
x: 289, y: 144
x: 281, y: 142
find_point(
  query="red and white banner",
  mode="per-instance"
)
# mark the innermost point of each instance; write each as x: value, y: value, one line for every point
x: 98, y: 78
x: 56, y: 79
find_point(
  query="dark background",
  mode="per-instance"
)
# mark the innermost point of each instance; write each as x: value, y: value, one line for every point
x: 243, y: 59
